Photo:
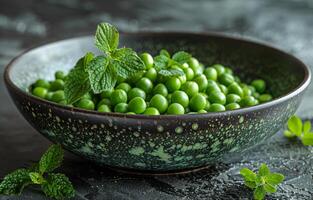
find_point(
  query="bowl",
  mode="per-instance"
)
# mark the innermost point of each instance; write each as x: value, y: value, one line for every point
x: 165, y: 143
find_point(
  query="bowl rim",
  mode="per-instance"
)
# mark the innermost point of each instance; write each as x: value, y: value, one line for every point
x: 248, y: 40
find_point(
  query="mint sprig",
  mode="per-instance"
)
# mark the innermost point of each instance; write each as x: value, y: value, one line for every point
x: 296, y: 128
x: 262, y: 183
x: 163, y: 62
x: 54, y: 185
x: 101, y: 73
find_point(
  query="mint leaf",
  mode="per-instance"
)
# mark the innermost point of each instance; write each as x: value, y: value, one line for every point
x: 165, y: 53
x: 181, y: 57
x: 289, y: 134
x: 77, y: 82
x: 126, y: 62
x: 259, y: 193
x: 263, y: 170
x: 51, y: 159
x: 274, y: 178
x: 307, y: 139
x: 295, y: 125
x: 248, y: 174
x: 102, y: 75
x: 269, y: 188
x: 58, y: 186
x: 36, y: 178
x: 161, y: 62
x: 171, y: 72
x: 14, y: 183
x: 107, y: 37
x: 250, y: 184
x: 306, y: 127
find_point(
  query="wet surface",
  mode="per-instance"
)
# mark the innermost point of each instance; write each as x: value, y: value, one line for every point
x: 286, y: 24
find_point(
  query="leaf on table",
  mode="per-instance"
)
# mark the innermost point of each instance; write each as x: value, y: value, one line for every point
x: 295, y: 125
x: 274, y: 178
x: 307, y: 139
x: 264, y: 170
x: 306, y: 127
x: 51, y: 159
x: 14, y: 182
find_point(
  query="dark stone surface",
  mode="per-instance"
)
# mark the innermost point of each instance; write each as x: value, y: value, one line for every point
x: 287, y: 24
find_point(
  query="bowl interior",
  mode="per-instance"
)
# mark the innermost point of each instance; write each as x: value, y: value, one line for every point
x: 249, y: 60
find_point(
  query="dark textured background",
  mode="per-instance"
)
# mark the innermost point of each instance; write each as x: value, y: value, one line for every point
x: 284, y: 23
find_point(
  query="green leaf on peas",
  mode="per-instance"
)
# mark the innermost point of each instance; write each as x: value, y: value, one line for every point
x: 126, y: 62
x: 181, y: 57
x: 161, y: 62
x: 77, y: 82
x: 264, y: 182
x: 102, y: 75
x: 107, y: 37
x: 301, y: 130
x: 165, y: 53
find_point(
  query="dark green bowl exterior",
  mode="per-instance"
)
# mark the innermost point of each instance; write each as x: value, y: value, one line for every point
x: 165, y: 143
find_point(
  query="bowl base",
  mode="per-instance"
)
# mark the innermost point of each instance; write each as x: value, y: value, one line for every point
x: 157, y: 173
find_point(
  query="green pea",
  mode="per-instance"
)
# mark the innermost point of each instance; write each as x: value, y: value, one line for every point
x: 202, y: 82
x: 175, y: 109
x: 40, y: 92
x: 86, y: 104
x: 58, y: 84
x: 220, y: 69
x: 151, y: 111
x: 104, y: 108
x: 228, y: 71
x: 173, y: 84
x: 182, y: 79
x: 215, y: 107
x: 246, y: 91
x: 137, y: 105
x: 193, y: 63
x: 105, y: 101
x: 151, y: 74
x: 265, y: 97
x: 184, y: 66
x: 232, y: 98
x: 259, y: 85
x: 234, y: 88
x: 106, y: 94
x: 131, y: 113
x: 212, y: 87
x: 42, y: 83
x: 136, y: 92
x: 165, y: 53
x: 191, y: 88
x: 204, y: 94
x: 124, y: 86
x: 223, y: 88
x: 121, y: 108
x: 256, y: 95
x: 207, y: 106
x: 202, y: 111
x: 248, y: 101
x: 232, y: 106
x: 197, y: 102
x: 118, y: 96
x: 189, y: 74
x: 58, y: 96
x: 159, y: 102
x: 210, y: 73
x: 145, y: 84
x: 49, y: 96
x: 180, y: 97
x: 59, y: 75
x: 160, y: 89
x: 147, y: 60
x: 226, y: 79
x: 217, y: 97
x: 87, y: 96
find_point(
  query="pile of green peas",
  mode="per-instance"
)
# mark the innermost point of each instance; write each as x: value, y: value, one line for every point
x: 199, y: 90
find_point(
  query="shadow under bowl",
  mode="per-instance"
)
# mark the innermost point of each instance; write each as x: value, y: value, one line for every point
x: 166, y: 142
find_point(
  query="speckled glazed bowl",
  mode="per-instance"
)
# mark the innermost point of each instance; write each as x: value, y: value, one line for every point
x: 161, y: 143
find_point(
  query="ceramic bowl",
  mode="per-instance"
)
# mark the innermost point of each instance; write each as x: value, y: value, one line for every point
x: 167, y: 142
